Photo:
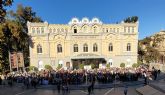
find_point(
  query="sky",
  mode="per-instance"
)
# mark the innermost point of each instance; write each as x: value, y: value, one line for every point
x: 151, y: 13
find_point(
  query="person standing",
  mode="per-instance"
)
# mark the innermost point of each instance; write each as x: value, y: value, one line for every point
x: 145, y: 78
x: 89, y: 90
x: 58, y: 86
x: 125, y: 90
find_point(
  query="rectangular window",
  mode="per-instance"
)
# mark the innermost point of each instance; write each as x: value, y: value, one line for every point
x: 75, y: 49
x: 110, y: 29
x: 103, y: 29
x: 125, y: 30
x: 114, y: 29
x: 118, y: 30
x: 132, y: 29
x: 128, y: 29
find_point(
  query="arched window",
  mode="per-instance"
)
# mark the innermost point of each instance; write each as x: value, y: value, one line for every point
x: 117, y: 30
x: 39, y: 48
x: 62, y: 30
x: 103, y: 30
x: 59, y: 48
x: 84, y: 29
x: 95, y: 29
x: 95, y: 48
x: 110, y: 47
x: 58, y: 30
x: 128, y: 47
x: 50, y: 30
x: 85, y: 48
x: 75, y: 30
x: 42, y: 30
x: 54, y: 30
x: 114, y: 29
x: 38, y: 31
x: 75, y: 47
x: 107, y: 30
x: 128, y: 29
x: 33, y: 30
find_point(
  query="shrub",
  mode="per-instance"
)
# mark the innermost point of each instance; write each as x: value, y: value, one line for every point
x: 48, y: 67
x: 81, y: 66
x: 33, y: 68
x: 93, y: 66
x: 134, y: 65
x: 108, y: 65
x: 59, y: 66
x: 122, y: 65
x: 139, y: 63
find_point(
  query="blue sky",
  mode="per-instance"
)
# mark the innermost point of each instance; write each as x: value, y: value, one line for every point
x: 151, y: 13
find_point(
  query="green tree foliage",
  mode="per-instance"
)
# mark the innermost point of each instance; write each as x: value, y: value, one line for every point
x: 33, y: 68
x: 13, y: 34
x: 93, y: 66
x: 23, y: 15
x: 48, y: 67
x: 135, y: 65
x: 59, y: 66
x: 122, y: 65
x: 132, y: 19
x: 108, y: 65
x: 81, y: 66
x: 3, y: 4
x: 149, y: 52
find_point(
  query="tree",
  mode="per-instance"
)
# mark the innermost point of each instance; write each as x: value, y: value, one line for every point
x: 150, y: 53
x: 132, y: 19
x: 22, y: 16
x: 13, y: 33
x: 48, y: 67
x: 122, y: 65
x: 4, y: 3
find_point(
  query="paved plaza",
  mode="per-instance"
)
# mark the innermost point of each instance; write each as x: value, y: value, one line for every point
x: 134, y: 88
x: 108, y: 91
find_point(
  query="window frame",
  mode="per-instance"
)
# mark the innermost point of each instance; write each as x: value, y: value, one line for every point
x: 39, y: 49
x: 59, y: 48
x: 75, y: 48
x: 95, y: 47
x: 85, y: 48
x: 128, y: 46
x: 110, y: 48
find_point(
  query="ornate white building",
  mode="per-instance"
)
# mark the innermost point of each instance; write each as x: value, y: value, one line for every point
x: 83, y: 42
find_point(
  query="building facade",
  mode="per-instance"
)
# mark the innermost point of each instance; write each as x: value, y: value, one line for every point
x: 83, y: 42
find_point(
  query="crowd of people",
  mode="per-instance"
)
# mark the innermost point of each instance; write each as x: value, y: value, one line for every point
x: 63, y: 78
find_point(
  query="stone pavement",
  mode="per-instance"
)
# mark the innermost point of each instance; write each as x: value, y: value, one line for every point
x: 153, y: 88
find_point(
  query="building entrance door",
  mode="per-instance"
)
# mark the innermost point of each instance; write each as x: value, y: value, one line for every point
x: 93, y: 62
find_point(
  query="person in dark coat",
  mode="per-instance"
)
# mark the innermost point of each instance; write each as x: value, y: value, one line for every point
x: 89, y: 90
x: 58, y: 86
x: 125, y: 90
